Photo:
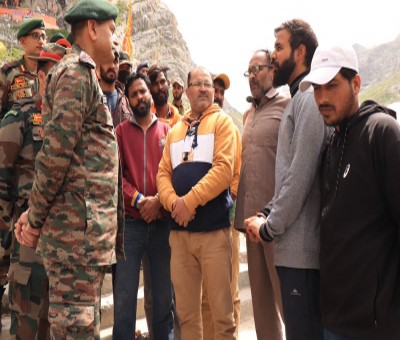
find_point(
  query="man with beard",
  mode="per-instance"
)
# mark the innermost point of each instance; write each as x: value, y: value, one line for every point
x: 221, y: 84
x: 141, y: 142
x: 360, y: 257
x: 165, y: 111
x: 125, y: 69
x: 292, y: 219
x: 169, y: 114
x: 116, y: 100
x: 177, y: 92
x: 256, y: 188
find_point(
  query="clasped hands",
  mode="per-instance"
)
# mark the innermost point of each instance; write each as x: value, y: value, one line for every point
x: 180, y: 213
x: 149, y: 208
x: 253, y: 225
x: 24, y: 233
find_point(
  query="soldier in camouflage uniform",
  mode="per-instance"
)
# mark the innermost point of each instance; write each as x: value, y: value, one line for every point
x: 76, y: 204
x: 21, y: 137
x: 4, y: 265
x: 18, y: 81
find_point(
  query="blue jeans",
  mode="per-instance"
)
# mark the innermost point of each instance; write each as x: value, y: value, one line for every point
x: 152, y: 239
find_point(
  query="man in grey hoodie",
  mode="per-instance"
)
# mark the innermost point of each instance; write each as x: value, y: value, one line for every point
x: 291, y: 219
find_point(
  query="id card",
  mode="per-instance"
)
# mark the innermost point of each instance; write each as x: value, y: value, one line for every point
x: 187, y: 144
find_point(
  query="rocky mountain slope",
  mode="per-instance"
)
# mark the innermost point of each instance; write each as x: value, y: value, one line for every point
x: 380, y: 72
x: 156, y: 38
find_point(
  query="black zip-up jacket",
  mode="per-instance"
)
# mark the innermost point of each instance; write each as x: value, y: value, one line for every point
x: 360, y: 238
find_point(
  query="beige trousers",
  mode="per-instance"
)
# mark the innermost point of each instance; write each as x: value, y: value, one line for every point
x: 208, y: 323
x: 198, y: 257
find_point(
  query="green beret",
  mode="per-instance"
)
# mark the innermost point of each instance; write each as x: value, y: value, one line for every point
x: 56, y: 37
x: 91, y: 9
x: 29, y: 25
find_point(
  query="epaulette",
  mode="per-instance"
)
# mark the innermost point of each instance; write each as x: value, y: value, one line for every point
x: 86, y: 59
x: 7, y: 66
x: 19, y: 106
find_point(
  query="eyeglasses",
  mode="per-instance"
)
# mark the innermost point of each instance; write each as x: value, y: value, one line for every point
x: 198, y: 84
x: 37, y: 36
x: 255, y: 69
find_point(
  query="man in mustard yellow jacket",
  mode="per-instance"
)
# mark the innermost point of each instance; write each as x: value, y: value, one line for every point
x: 193, y: 181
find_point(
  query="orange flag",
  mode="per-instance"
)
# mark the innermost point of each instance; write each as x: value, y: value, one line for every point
x: 127, y: 42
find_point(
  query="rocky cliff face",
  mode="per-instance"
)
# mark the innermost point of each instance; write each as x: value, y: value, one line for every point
x: 380, y: 62
x: 156, y: 38
x: 155, y: 35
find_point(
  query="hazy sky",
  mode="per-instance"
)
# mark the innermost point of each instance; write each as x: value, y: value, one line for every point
x: 223, y: 34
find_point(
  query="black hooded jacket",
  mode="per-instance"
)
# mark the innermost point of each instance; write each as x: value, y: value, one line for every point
x: 360, y: 231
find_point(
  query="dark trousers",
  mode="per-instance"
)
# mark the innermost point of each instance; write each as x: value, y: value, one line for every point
x: 300, y: 298
x: 328, y: 335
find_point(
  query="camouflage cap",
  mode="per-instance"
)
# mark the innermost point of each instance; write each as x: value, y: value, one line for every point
x: 91, y: 9
x: 29, y: 25
x: 51, y: 52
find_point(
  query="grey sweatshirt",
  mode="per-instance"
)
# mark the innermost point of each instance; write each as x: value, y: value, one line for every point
x: 294, y: 212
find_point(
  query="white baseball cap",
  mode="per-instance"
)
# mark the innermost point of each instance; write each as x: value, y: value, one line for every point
x: 327, y: 62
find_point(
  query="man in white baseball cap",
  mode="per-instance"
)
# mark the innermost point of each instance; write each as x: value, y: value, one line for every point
x: 360, y: 196
x: 327, y: 62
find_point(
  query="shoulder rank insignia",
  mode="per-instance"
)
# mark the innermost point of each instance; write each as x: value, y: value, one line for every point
x: 9, y: 66
x: 86, y: 59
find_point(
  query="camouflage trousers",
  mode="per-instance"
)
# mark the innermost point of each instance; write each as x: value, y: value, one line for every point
x: 74, y: 300
x: 28, y: 294
x: 4, y: 265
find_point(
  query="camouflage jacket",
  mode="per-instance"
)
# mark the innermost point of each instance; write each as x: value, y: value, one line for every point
x: 21, y: 137
x: 77, y: 195
x: 16, y: 83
